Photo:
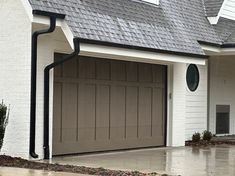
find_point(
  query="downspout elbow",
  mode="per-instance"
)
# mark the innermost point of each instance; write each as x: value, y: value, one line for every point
x: 77, y: 45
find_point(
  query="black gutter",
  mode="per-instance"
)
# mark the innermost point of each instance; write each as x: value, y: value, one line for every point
x: 225, y: 45
x: 209, y: 43
x: 48, y: 14
x: 228, y: 45
x: 111, y: 44
x: 35, y: 35
x: 47, y: 94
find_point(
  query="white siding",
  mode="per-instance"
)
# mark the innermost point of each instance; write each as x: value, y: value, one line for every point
x: 196, y: 106
x: 189, y: 109
x: 228, y: 9
x: 222, y: 86
x: 15, y: 47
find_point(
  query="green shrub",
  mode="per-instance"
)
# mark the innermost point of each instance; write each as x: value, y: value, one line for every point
x: 4, y: 116
x: 207, y: 135
x: 196, y: 137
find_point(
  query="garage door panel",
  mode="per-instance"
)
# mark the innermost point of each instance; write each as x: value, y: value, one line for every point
x: 69, y: 112
x: 93, y: 146
x: 103, y: 112
x: 86, y: 112
x: 58, y: 71
x: 57, y: 112
x: 86, y: 68
x: 103, y: 70
x: 102, y: 104
x: 157, y: 123
x: 145, y: 112
x: 118, y: 71
x: 131, y: 112
x: 70, y: 68
x: 117, y: 113
x: 132, y: 71
x: 145, y: 72
x: 158, y: 73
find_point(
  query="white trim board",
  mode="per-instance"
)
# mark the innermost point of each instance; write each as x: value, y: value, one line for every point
x: 94, y: 50
x: 213, y: 50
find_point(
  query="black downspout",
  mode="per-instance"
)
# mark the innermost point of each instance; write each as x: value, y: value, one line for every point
x: 53, y: 17
x: 47, y: 91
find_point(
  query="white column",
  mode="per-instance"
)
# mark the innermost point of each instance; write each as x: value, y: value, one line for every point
x: 178, y: 104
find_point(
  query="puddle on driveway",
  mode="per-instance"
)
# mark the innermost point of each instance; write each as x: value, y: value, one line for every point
x: 186, y: 161
x: 4, y: 171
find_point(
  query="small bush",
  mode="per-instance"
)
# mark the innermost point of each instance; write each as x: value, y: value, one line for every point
x: 196, y: 137
x: 3, y: 122
x: 207, y: 136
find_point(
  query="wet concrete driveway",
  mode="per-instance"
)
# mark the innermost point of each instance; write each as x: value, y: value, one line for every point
x: 186, y: 161
x: 27, y: 172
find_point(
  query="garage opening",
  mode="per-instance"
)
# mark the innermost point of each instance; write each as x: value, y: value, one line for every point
x: 103, y: 105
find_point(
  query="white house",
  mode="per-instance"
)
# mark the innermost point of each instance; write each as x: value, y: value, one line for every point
x: 123, y: 74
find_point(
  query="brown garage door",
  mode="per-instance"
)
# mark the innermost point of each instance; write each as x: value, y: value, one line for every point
x: 102, y: 105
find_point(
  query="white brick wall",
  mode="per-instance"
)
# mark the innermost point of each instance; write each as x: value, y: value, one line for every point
x: 196, y: 106
x: 15, y: 49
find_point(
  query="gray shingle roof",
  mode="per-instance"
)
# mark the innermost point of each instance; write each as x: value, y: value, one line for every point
x: 231, y: 38
x: 175, y: 25
x: 213, y: 7
x: 225, y: 29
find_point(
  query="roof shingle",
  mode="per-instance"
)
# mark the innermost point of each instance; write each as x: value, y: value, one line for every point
x: 225, y: 29
x: 213, y: 7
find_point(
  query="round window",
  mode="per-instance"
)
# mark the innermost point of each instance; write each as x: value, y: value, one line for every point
x: 192, y: 77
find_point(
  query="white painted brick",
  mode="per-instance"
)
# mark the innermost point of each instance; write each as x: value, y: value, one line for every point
x: 15, y: 45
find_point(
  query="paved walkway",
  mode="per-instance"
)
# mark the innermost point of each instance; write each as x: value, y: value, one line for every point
x: 186, y: 161
x: 27, y: 172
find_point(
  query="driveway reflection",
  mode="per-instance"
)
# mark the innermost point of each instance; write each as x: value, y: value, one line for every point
x: 186, y: 161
